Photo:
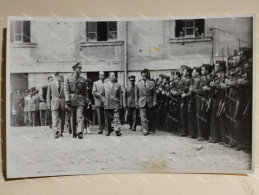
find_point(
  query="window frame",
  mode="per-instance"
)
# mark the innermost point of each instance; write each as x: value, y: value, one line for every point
x: 14, y: 33
x: 96, y: 32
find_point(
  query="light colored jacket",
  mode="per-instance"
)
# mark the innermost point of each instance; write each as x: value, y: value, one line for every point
x: 145, y: 95
x: 98, y: 93
x: 56, y: 99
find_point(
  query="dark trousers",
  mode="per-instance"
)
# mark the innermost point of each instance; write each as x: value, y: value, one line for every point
x: 192, y: 120
x: 77, y: 119
x: 184, y: 119
x: 100, y: 117
x: 49, y: 118
x: 132, y: 117
x: 43, y: 117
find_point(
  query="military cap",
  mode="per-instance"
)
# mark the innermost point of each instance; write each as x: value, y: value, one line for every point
x: 77, y: 65
x: 161, y: 75
x: 198, y: 69
x: 208, y: 67
x: 185, y: 67
x: 174, y: 71
x: 132, y: 78
x: 222, y: 64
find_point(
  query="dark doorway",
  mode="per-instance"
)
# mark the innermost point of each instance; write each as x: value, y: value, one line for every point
x: 19, y: 81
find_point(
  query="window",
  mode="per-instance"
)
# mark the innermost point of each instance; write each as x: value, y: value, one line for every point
x: 189, y: 28
x: 101, y: 31
x: 20, y: 32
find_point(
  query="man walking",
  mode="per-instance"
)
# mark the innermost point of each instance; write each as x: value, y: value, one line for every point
x: 76, y: 98
x: 112, y: 104
x: 98, y: 96
x: 145, y: 99
x: 56, y: 102
x: 129, y: 103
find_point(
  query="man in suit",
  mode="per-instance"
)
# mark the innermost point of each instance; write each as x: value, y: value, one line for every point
x: 129, y: 103
x: 98, y: 96
x: 112, y: 104
x: 145, y: 99
x: 76, y: 97
x: 56, y: 102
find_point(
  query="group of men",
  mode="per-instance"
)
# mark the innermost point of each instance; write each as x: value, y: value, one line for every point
x: 210, y: 102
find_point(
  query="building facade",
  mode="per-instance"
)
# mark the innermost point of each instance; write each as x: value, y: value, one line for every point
x: 38, y: 49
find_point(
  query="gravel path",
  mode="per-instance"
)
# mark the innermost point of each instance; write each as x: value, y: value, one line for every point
x: 34, y: 152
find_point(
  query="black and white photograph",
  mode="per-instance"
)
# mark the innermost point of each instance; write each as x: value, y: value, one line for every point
x: 129, y: 95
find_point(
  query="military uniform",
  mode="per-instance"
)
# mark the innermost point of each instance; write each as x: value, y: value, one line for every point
x: 184, y: 84
x: 129, y: 104
x: 76, y: 98
x: 192, y: 107
x: 203, y: 105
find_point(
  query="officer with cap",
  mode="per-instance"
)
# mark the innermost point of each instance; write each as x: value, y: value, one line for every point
x: 76, y: 97
x: 129, y: 103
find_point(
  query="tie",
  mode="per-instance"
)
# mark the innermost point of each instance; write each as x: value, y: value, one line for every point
x: 59, y: 87
x: 145, y: 84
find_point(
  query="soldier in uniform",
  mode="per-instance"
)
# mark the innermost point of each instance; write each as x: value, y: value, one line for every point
x: 145, y: 96
x: 129, y: 103
x: 216, y: 102
x: 184, y: 87
x: 112, y: 104
x: 202, y: 102
x: 191, y: 98
x: 160, y: 102
x: 175, y: 110
x: 76, y: 98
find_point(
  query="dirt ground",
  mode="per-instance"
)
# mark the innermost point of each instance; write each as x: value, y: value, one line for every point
x: 34, y: 152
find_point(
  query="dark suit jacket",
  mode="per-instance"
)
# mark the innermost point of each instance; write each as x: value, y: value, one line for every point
x: 146, y: 95
x: 98, y: 93
x: 113, y: 98
x: 129, y: 96
x: 54, y: 98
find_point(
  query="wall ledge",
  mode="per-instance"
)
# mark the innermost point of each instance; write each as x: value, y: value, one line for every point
x: 101, y: 43
x: 23, y: 45
x: 190, y: 40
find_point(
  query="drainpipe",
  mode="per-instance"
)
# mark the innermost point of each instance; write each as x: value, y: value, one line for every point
x: 126, y: 55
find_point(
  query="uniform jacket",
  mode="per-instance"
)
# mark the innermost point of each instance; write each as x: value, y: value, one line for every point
x: 98, y: 93
x: 113, y: 98
x: 54, y: 97
x: 76, y: 91
x: 146, y: 95
x: 129, y: 96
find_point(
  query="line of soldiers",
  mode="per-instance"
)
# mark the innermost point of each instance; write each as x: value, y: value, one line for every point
x: 211, y: 103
